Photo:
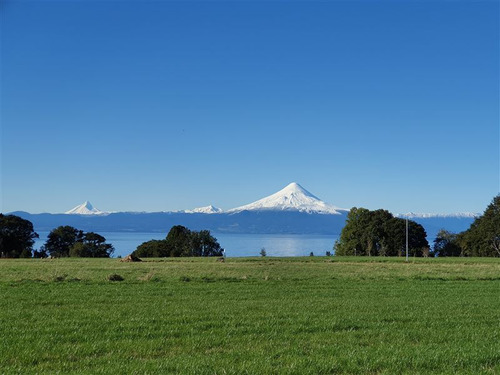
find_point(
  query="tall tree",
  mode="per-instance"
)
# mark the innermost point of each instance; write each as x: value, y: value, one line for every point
x: 379, y: 233
x: 394, y: 242
x: 17, y: 237
x: 204, y: 244
x: 446, y: 244
x: 92, y: 245
x: 61, y: 239
x: 376, y: 232
x: 352, y: 239
x: 181, y: 241
x: 65, y: 241
x: 483, y: 236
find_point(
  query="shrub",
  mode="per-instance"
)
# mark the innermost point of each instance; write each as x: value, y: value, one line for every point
x: 115, y: 277
x: 60, y: 278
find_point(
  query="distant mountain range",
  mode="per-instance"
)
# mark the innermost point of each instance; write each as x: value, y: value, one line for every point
x: 412, y: 215
x: 292, y: 197
x: 291, y: 210
x: 205, y: 210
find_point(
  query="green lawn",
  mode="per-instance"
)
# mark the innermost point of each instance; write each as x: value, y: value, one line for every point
x: 311, y: 315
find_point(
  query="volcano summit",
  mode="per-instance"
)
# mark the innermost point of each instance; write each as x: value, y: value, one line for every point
x: 292, y: 197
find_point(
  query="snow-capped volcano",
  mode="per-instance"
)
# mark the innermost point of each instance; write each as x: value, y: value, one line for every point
x: 205, y: 210
x: 85, y: 208
x: 291, y: 198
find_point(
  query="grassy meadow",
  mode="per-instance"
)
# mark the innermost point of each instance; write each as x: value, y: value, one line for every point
x: 309, y: 315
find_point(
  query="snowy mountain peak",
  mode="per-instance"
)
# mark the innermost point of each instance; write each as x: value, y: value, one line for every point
x: 205, y: 210
x: 294, y: 185
x: 88, y: 205
x: 85, y: 208
x: 295, y: 189
x: 292, y: 197
x: 459, y: 215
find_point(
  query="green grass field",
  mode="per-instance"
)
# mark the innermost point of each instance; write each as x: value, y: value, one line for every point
x: 311, y: 315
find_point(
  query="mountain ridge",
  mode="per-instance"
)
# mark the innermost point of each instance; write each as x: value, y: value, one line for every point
x: 293, y: 198
x: 210, y: 209
x: 415, y: 215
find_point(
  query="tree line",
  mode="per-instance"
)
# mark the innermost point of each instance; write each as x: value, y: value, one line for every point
x: 379, y: 233
x: 17, y: 238
x: 66, y: 241
x: 482, y: 239
x: 181, y: 242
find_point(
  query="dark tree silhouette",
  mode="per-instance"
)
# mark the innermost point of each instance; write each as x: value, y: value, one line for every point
x: 16, y: 237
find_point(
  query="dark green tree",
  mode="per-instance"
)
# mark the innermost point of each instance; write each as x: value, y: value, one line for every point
x: 41, y: 253
x: 446, y: 244
x: 353, y: 237
x: 92, y: 245
x: 394, y: 242
x: 79, y: 249
x: 97, y: 245
x: 483, y: 237
x: 153, y: 249
x: 377, y: 232
x: 203, y: 244
x: 61, y: 239
x: 65, y: 241
x: 16, y: 237
x: 417, y: 239
x: 181, y: 241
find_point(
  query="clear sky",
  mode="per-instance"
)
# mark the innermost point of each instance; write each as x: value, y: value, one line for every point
x: 150, y: 106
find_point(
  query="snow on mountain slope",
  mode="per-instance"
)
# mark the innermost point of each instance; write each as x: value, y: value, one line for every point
x: 85, y: 208
x: 291, y: 198
x: 459, y: 215
x: 205, y: 210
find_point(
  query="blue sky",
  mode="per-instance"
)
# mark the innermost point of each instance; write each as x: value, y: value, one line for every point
x: 150, y: 106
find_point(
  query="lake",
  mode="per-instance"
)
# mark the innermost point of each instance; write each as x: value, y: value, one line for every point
x: 236, y: 245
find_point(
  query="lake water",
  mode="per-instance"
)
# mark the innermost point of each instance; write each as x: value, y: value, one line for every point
x: 236, y: 245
